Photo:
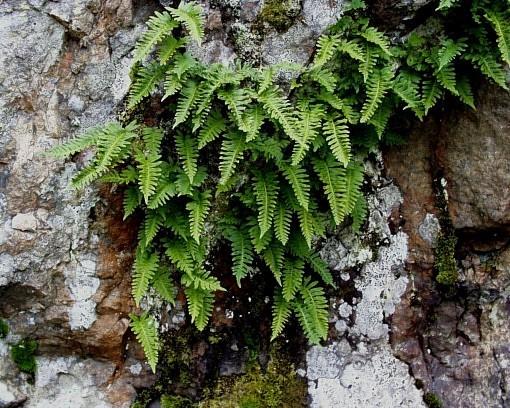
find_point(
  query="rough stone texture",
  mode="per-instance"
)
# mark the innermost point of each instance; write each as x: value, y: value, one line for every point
x: 64, y: 256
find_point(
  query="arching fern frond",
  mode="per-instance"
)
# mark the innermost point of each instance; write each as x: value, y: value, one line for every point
x: 144, y: 268
x: 376, y: 37
x: 200, y: 304
x: 190, y: 14
x: 292, y: 277
x: 231, y: 152
x: 337, y: 136
x: 326, y: 47
x: 266, y: 193
x: 198, y: 211
x: 214, y: 126
x: 313, y: 312
x: 332, y: 175
x: 188, y: 154
x: 299, y: 181
x: 501, y: 23
x: 144, y: 328
x: 159, y: 25
x: 164, y: 286
x: 242, y: 253
x: 281, y: 314
x: 185, y: 103
x: 378, y: 84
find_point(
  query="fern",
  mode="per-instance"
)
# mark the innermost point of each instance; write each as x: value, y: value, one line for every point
x: 326, y: 47
x: 78, y: 144
x: 231, y: 152
x: 266, y: 192
x: 292, y: 277
x: 149, y: 170
x: 378, y: 84
x: 445, y: 4
x: 200, y: 304
x: 306, y: 224
x: 337, y: 136
x: 447, y: 78
x: 145, y: 82
x: 236, y: 100
x: 163, y: 285
x: 352, y: 49
x: 177, y: 251
x: 213, y: 128
x: 144, y: 328
x: 242, y: 254
x: 313, y: 313
x: 144, y: 268
x: 273, y: 256
x: 321, y: 268
x: 164, y: 191
x: 359, y: 213
x: 198, y: 211
x: 353, y: 182
x: 281, y: 314
x: 151, y: 225
x: 501, y: 24
x: 190, y: 14
x: 406, y: 86
x: 283, y: 218
x: 300, y: 182
x: 186, y: 103
x: 132, y: 199
x: 278, y: 108
x: 449, y: 50
x: 491, y: 68
x: 168, y: 48
x: 252, y: 121
x: 367, y: 65
x: 431, y: 92
x: 309, y: 122
x: 375, y: 37
x: 188, y: 154
x: 158, y: 26
x: 332, y: 176
x: 465, y: 92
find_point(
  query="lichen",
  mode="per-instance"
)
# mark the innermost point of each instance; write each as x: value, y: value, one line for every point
x: 23, y: 354
x: 4, y: 329
x: 445, y: 262
x: 432, y: 400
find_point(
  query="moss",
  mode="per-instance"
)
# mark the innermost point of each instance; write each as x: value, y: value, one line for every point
x: 432, y: 400
x: 175, y: 401
x: 23, y: 354
x: 4, y: 329
x: 279, y: 14
x: 445, y: 262
x: 278, y: 386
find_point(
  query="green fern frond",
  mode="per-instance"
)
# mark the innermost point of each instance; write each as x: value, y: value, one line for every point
x: 430, y: 93
x: 465, y: 92
x: 177, y: 251
x: 367, y: 65
x: 351, y: 48
x: 149, y: 170
x: 273, y: 256
x: 146, y: 80
x: 144, y: 328
x: 266, y: 193
x: 376, y: 37
x: 281, y: 314
x: 325, y: 78
x: 164, y: 191
x: 132, y: 199
x: 406, y: 86
x: 449, y: 50
x: 292, y: 277
x: 242, y: 253
x: 159, y: 25
x: 260, y: 242
x: 236, y: 99
x: 198, y: 211
x: 332, y: 175
x: 190, y: 14
x: 306, y: 224
x: 359, y: 213
x: 78, y: 144
x: 231, y: 152
x: 299, y: 181
x: 178, y: 223
x: 447, y: 78
x: 501, y: 23
x: 185, y: 103
x: 282, y: 220
x: 353, y: 181
x: 199, y: 278
x: 169, y: 47
x: 315, y: 312
x: 151, y: 225
x: 252, y: 121
x: 297, y: 245
x: 214, y: 126
x: 279, y: 109
x: 164, y: 286
x: 326, y: 47
x: 491, y: 68
x: 381, y: 117
x: 144, y: 268
x: 188, y: 154
x: 378, y: 84
x: 337, y: 136
x: 341, y: 105
x: 308, y: 124
x: 125, y: 176
x: 200, y: 305
x: 446, y: 4
x: 172, y: 84
x: 321, y: 268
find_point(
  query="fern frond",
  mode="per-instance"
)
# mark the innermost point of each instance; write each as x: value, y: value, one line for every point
x: 381, y: 117
x: 144, y: 328
x: 178, y: 223
x: 351, y: 48
x: 266, y: 193
x: 448, y: 51
x: 188, y: 154
x: 185, y: 103
x: 132, y: 199
x: 198, y: 211
x: 324, y: 77
x: 315, y: 313
x: 242, y: 253
x: 491, y: 68
x: 299, y: 181
x: 306, y: 224
x: 151, y: 225
x: 146, y: 80
x: 279, y: 109
x: 359, y: 213
x: 172, y: 84
x: 164, y: 191
x: 260, y: 242
x: 281, y: 314
x: 337, y: 136
x: 252, y: 121
x: 282, y: 220
x: 501, y: 23
x: 465, y: 92
x: 200, y: 305
x: 353, y: 181
x: 341, y: 105
x: 406, y: 86
x: 201, y: 279
x: 332, y: 175
x: 190, y: 14
x: 159, y: 25
x: 273, y: 256
x: 236, y: 99
x: 430, y: 93
x: 447, y: 78
x: 376, y: 37
x: 125, y: 176
x: 378, y: 84
x: 308, y: 124
x: 292, y: 277
x: 149, y: 172
x: 445, y: 4
x: 325, y: 49
x: 164, y: 286
x: 214, y: 126
x: 231, y: 152
x: 168, y: 48
x: 78, y: 144
x: 144, y: 268
x: 177, y: 251
x: 321, y: 268
x: 367, y: 65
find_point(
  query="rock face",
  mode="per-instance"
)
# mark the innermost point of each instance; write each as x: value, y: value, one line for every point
x: 65, y: 256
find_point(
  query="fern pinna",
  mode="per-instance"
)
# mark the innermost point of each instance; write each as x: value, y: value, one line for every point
x: 266, y: 171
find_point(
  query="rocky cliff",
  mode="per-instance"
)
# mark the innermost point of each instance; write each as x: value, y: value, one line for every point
x: 65, y: 255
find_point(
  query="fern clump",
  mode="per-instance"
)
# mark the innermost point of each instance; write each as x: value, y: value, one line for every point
x: 240, y: 161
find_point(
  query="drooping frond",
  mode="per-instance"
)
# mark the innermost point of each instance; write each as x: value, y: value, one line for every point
x: 231, y: 152
x: 188, y: 154
x: 324, y: 77
x: 151, y: 225
x: 198, y: 210
x: 321, y: 268
x: 326, y: 47
x: 381, y: 117
x: 125, y: 176
x: 168, y: 48
x: 367, y: 65
x: 281, y: 314
x: 145, y: 82
x: 159, y: 25
x: 199, y: 278
x: 308, y: 124
x: 214, y: 126
x: 378, y: 84
x: 430, y: 93
x: 465, y: 92
x: 164, y: 286
x: 306, y: 224
x: 177, y: 251
x: 447, y: 78
x: 445, y: 4
x: 406, y: 86
x: 292, y: 277
x: 491, y: 68
x: 185, y: 103
x: 351, y: 48
x: 282, y: 220
x: 266, y: 193
x: 242, y: 253
x: 236, y: 99
x: 313, y: 312
x: 337, y: 136
x: 501, y: 23
x: 132, y: 199
x: 259, y: 241
x: 200, y: 304
x: 144, y: 268
x: 449, y: 50
x: 273, y: 256
x: 332, y: 175
x: 144, y: 328
x: 353, y: 181
x: 164, y: 191
x: 149, y: 170
x: 252, y: 121
x: 376, y: 37
x: 278, y: 108
x: 190, y: 14
x: 78, y: 144
x: 359, y: 213
x: 299, y: 181
x: 341, y: 105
